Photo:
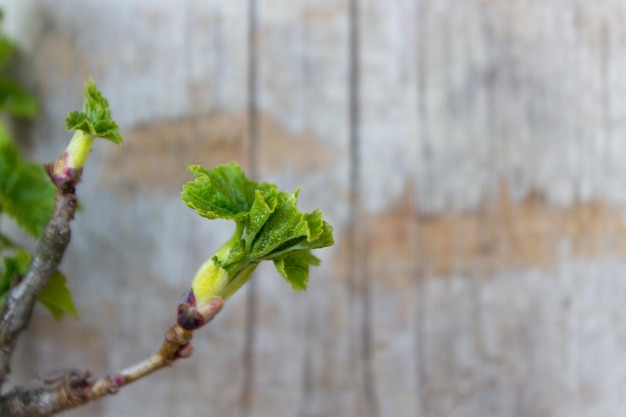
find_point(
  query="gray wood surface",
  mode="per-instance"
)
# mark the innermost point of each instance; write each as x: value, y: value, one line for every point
x: 470, y: 155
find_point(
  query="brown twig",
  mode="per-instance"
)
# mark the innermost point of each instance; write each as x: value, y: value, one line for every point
x: 19, y: 302
x: 44, y: 398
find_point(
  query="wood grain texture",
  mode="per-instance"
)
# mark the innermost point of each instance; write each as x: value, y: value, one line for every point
x: 468, y: 153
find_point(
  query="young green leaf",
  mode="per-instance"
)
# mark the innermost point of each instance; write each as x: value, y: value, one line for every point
x: 295, y: 268
x: 222, y: 193
x: 269, y: 226
x: 95, y: 118
x: 94, y: 121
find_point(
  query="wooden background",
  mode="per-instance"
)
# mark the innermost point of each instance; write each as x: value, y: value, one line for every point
x: 470, y: 154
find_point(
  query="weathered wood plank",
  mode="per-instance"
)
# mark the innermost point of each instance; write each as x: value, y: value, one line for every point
x: 389, y: 154
x: 495, y: 111
x: 301, y: 356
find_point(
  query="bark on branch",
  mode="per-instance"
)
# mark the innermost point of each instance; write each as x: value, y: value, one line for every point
x: 71, y: 389
x: 21, y: 299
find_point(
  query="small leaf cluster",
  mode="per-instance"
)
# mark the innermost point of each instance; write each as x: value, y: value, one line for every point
x: 269, y: 224
x: 95, y: 118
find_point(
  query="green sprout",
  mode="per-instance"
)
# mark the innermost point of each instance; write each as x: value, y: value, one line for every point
x: 269, y: 226
x: 94, y: 121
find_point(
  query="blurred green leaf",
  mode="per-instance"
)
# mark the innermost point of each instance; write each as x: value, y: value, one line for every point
x: 57, y: 298
x: 15, y: 100
x: 14, y: 266
x: 6, y: 242
x: 6, y: 49
x: 26, y: 193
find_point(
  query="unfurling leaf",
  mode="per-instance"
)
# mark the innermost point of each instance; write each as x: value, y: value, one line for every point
x: 95, y: 118
x: 269, y: 226
x: 94, y: 121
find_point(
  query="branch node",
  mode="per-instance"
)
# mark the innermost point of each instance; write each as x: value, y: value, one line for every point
x: 108, y: 385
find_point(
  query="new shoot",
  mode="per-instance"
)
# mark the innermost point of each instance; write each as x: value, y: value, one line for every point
x: 268, y: 227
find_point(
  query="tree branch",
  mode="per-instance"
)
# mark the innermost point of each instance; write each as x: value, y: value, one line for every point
x: 44, y: 397
x: 21, y: 299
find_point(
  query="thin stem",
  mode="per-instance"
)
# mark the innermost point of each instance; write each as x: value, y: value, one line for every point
x: 46, y: 396
x: 74, y: 389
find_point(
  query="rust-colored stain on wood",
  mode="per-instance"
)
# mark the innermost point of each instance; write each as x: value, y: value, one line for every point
x: 500, y: 236
x: 155, y: 156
